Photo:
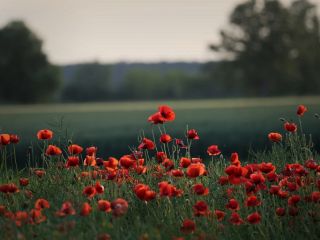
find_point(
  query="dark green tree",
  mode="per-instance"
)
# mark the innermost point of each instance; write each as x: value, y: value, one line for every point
x: 270, y: 49
x: 90, y: 82
x: 26, y: 76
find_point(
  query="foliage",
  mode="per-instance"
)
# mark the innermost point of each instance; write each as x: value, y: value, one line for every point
x: 26, y: 76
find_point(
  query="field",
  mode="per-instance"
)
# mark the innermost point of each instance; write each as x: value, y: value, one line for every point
x: 235, y: 124
x: 161, y: 189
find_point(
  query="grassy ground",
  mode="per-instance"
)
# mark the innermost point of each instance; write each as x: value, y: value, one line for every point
x: 234, y: 124
x: 162, y: 214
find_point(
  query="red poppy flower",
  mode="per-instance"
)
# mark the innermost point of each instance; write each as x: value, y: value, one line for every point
x: 185, y: 162
x: 199, y: 189
x: 161, y: 156
x: 213, y: 150
x: 44, y: 134
x: 254, y: 218
x: 9, y: 188
x: 168, y: 190
x: 72, y: 161
x: 14, y: 138
x: 223, y: 180
x: 290, y: 127
x: 66, y: 209
x: 90, y: 160
x: 236, y: 174
x: 75, y: 149
x: 315, y: 197
x: 233, y: 205
x: 293, y: 200
x: 119, y: 207
x: 195, y: 169
x: 53, y: 150
x: 21, y: 217
x: 111, y: 163
x: 144, y: 193
x: 219, y: 214
x: 193, y: 134
x: 39, y: 172
x: 280, y: 211
x: 89, y: 191
x: 301, y: 110
x: 126, y: 161
x: 4, y: 139
x: 23, y: 182
x: 91, y: 151
x: 253, y: 201
x: 104, y: 205
x: 168, y: 164
x: 275, y: 137
x: 201, y: 209
x: 85, y: 209
x: 235, y: 159
x: 177, y: 173
x: 165, y: 138
x: 188, y: 226
x: 41, y: 204
x: 146, y: 144
x: 235, y: 219
x: 167, y: 113
x: 99, y: 188
x: 156, y: 118
x: 36, y: 216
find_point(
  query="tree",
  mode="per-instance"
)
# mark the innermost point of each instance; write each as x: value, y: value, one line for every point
x: 26, y: 76
x: 270, y: 49
x: 90, y: 82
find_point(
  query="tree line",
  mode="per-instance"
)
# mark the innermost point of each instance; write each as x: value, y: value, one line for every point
x: 268, y: 49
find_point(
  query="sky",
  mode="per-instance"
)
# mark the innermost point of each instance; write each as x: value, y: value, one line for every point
x: 76, y: 31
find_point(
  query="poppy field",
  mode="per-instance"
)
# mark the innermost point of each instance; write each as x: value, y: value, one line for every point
x: 160, y: 188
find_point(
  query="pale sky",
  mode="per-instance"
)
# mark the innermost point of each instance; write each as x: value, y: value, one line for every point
x: 123, y: 30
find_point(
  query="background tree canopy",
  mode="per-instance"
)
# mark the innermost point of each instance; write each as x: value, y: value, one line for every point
x: 270, y: 49
x: 26, y: 76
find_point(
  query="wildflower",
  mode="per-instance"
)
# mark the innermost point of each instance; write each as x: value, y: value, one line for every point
x: 90, y: 160
x: 39, y: 172
x: 219, y: 214
x: 146, y: 144
x: 23, y: 182
x: 4, y: 139
x: 193, y: 134
x: 75, y: 149
x: 233, y: 205
x: 185, y: 162
x: 213, y: 150
x: 9, y: 188
x: 235, y: 219
x: 167, y: 113
x: 290, y: 127
x: 104, y: 205
x: 254, y: 218
x: 99, y: 188
x: 168, y: 190
x: 252, y: 201
x: 72, y: 161
x: 144, y: 193
x: 91, y: 150
x: 36, y: 216
x: 301, y: 110
x: 66, y: 209
x: 199, y: 189
x: 89, y: 191
x: 165, y: 138
x: 275, y: 137
x: 126, y: 161
x: 14, y: 138
x: 188, y: 226
x: 201, y: 209
x: 21, y: 217
x: 195, y: 169
x: 44, y: 134
x: 280, y: 211
x: 156, y: 118
x: 53, y: 150
x: 293, y: 200
x: 85, y: 209
x: 119, y: 207
x: 41, y: 204
x: 235, y: 159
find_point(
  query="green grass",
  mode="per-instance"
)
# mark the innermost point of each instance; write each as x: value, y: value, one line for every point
x: 234, y: 124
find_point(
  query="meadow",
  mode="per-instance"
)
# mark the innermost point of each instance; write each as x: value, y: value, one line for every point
x: 235, y: 124
x: 161, y: 189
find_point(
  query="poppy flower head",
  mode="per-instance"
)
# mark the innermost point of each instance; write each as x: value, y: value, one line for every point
x: 41, y: 204
x: 91, y: 151
x: 219, y: 214
x: 235, y: 219
x: 253, y: 201
x: 188, y: 226
x: 9, y: 188
x: 66, y: 209
x: 201, y: 209
x: 235, y: 159
x: 85, y: 209
x: 104, y: 205
x: 119, y: 207
x: 275, y: 137
x: 99, y: 188
x: 254, y: 218
x: 213, y: 150
x: 167, y: 113
x: 199, y: 189
x: 301, y: 110
x: 193, y: 134
x: 146, y: 144
x: 72, y: 161
x: 290, y: 127
x: 14, y: 138
x: 4, y: 139
x: 233, y: 205
x: 144, y: 192
x: 280, y: 211
x: 44, y: 134
x: 185, y: 162
x: 195, y: 169
x: 53, y: 150
x: 156, y: 118
x: 89, y: 191
x: 90, y: 160
x: 75, y: 149
x: 165, y: 138
x: 23, y: 182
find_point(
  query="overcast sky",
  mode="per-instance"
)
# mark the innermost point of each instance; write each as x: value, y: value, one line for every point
x: 123, y: 30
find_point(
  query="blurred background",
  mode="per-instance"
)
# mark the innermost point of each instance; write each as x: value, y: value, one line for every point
x: 93, y: 71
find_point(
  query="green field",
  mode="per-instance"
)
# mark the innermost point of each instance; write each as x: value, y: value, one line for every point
x: 233, y: 124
